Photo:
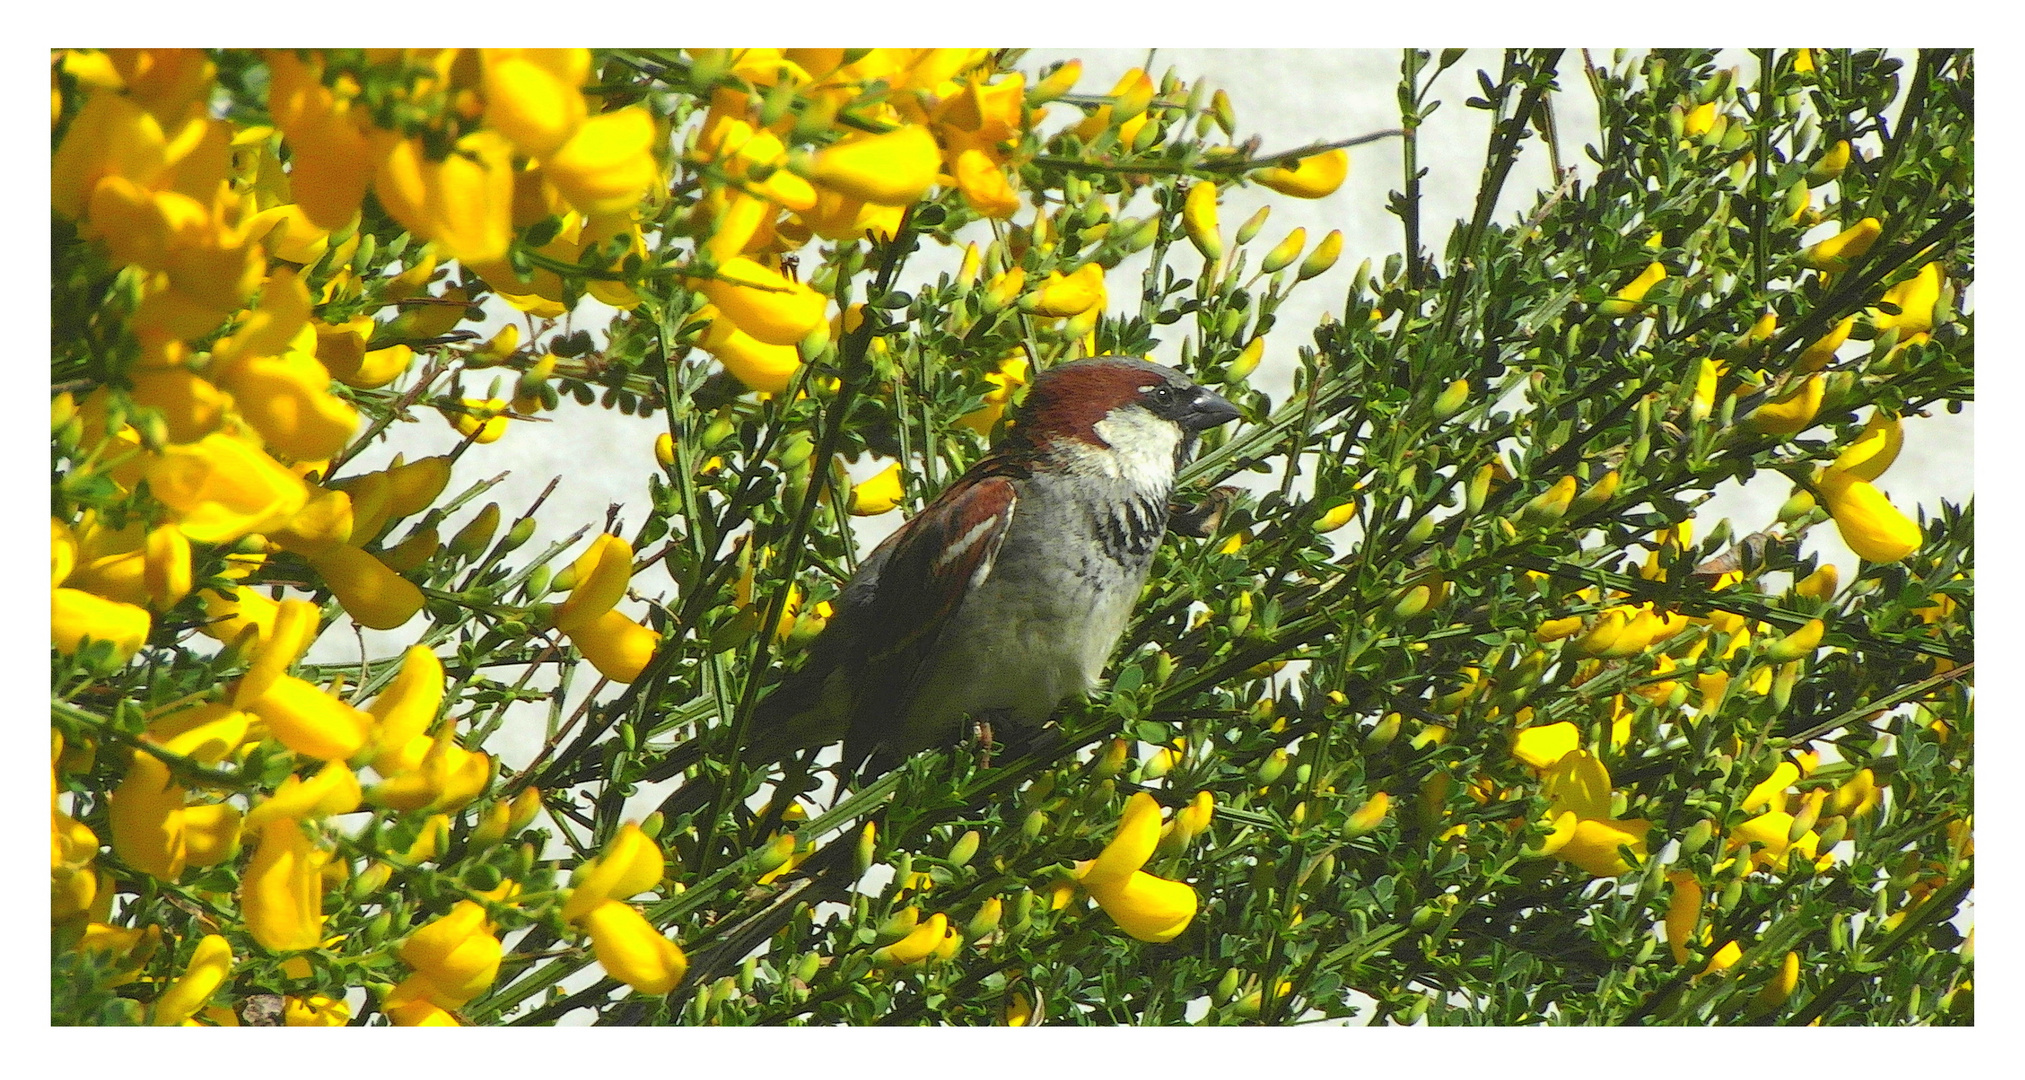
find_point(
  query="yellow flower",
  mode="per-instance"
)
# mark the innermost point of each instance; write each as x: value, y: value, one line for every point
x: 614, y: 644
x: 455, y: 957
x: 1010, y: 376
x: 311, y: 722
x: 190, y: 406
x: 1840, y: 251
x: 1368, y: 816
x: 1792, y: 412
x: 1198, y: 219
x: 222, y: 488
x: 1724, y: 958
x: 1856, y: 796
x: 533, y: 96
x: 891, y: 169
x: 1776, y: 992
x: 878, y: 494
x: 630, y: 864
x: 1868, y: 522
x: 1699, y: 120
x: 1146, y: 907
x: 632, y: 951
x: 1542, y: 747
x: 1874, y: 449
x: 920, y: 943
x: 1063, y: 296
x: 333, y: 790
x: 764, y: 303
x: 1916, y: 298
x: 281, y: 890
x: 147, y: 819
x: 315, y: 1010
x: 1771, y: 792
x: 405, y: 710
x: 76, y: 616
x: 333, y: 148
x: 1578, y: 784
x: 209, y: 965
x: 447, y: 778
x: 984, y: 185
x: 368, y: 589
x: 1769, y: 838
x: 1683, y: 912
x: 1628, y: 300
x: 762, y: 367
x: 1822, y: 352
x: 481, y: 421
x: 1309, y: 178
x: 283, y: 642
x: 463, y: 203
x: 1336, y: 516
x: 1829, y: 165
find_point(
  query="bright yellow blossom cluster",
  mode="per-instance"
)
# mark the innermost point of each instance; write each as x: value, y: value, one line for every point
x: 628, y: 946
x: 1146, y: 907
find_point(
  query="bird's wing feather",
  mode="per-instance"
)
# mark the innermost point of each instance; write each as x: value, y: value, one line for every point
x: 924, y: 572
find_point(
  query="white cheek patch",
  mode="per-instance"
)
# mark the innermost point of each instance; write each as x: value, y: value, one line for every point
x: 1142, y: 447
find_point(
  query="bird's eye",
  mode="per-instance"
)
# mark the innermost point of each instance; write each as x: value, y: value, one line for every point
x: 1161, y: 394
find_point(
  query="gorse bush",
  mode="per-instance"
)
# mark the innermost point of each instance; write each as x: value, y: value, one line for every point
x: 1452, y: 711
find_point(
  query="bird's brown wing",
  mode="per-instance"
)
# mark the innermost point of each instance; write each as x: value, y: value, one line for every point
x: 923, y: 573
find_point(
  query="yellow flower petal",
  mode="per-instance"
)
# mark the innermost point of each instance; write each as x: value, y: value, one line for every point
x: 311, y: 722
x: 1146, y: 907
x: 1541, y: 747
x: 1868, y: 522
x: 632, y: 951
x: 891, y: 169
x: 75, y: 616
x: 608, y: 166
x: 209, y: 966
x: 281, y: 891
x: 1309, y: 178
x: 879, y: 494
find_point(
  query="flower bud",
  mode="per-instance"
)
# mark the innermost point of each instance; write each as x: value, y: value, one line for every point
x: 1382, y: 734
x: 477, y: 533
x: 1799, y: 643
x: 1549, y: 506
x: 1247, y: 361
x: 1368, y: 816
x: 1629, y: 299
x: 1479, y: 488
x: 1252, y: 225
x: 1059, y: 82
x: 1271, y: 768
x: 1829, y: 165
x: 1285, y: 252
x: 1198, y: 219
x: 964, y: 849
x: 867, y: 852
x: 1323, y: 257
x: 1840, y: 251
x: 986, y: 920
x: 1226, y: 117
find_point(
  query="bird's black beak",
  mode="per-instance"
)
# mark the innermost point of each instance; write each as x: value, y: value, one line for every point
x: 1207, y: 409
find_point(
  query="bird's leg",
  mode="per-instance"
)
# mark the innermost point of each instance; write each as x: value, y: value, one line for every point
x: 982, y: 729
x: 984, y: 744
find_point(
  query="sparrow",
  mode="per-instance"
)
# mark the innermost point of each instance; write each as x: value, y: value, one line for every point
x: 1007, y: 593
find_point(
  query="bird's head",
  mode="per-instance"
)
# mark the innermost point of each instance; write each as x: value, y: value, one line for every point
x: 1126, y: 407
